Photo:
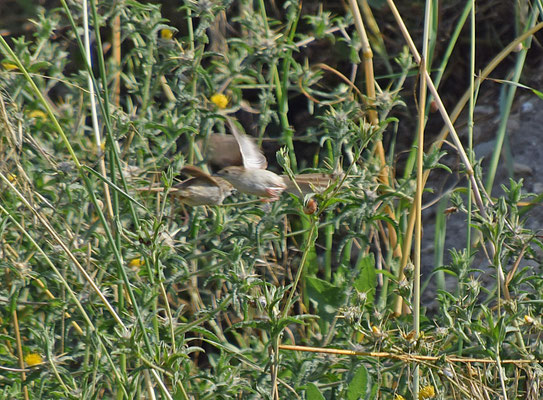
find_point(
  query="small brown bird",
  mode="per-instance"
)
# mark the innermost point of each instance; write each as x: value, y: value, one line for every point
x: 252, y: 177
x: 202, y: 189
x: 259, y: 182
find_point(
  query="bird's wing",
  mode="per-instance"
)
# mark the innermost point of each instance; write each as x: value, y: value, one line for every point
x: 253, y: 158
x: 198, y: 173
x: 223, y: 151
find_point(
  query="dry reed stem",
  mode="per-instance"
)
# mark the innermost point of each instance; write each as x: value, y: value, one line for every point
x: 367, y: 56
x: 20, y: 352
x: 404, y: 356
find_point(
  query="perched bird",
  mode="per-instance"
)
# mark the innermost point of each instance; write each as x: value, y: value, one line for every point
x: 202, y: 189
x: 251, y: 177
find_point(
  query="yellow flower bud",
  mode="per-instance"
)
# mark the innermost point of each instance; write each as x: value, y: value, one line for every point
x: 32, y: 359
x: 37, y: 114
x: 136, y: 262
x: 9, y: 66
x: 427, y: 392
x: 220, y: 100
x: 166, y: 34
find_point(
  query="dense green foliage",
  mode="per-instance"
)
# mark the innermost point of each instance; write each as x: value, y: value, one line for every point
x: 126, y: 292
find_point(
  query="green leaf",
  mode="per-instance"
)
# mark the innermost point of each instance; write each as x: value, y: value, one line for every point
x: 360, y: 385
x: 37, y: 66
x: 520, y: 85
x: 312, y: 392
x: 366, y: 280
x: 327, y: 298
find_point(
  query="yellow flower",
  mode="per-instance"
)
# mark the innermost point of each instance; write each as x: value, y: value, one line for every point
x: 528, y: 320
x: 12, y: 178
x: 33, y: 359
x: 409, y: 336
x: 220, y: 100
x: 427, y: 392
x: 9, y: 66
x: 136, y: 262
x: 166, y: 34
x: 37, y: 114
x: 398, y: 397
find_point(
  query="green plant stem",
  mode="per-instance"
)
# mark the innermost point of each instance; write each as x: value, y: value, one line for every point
x: 441, y: 108
x: 67, y: 390
x: 282, y: 100
x: 281, y: 87
x: 310, y: 242
x: 112, y: 204
x: 161, y: 283
x: 148, y: 75
x: 508, y: 103
x: 439, y: 240
x: 221, y: 307
x: 329, y: 238
x: 460, y: 346
x: 311, y: 237
x: 500, y: 372
x: 420, y: 184
x: 109, y: 130
x: 283, y: 104
x: 94, y: 111
x: 274, y: 368
x: 439, y: 75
